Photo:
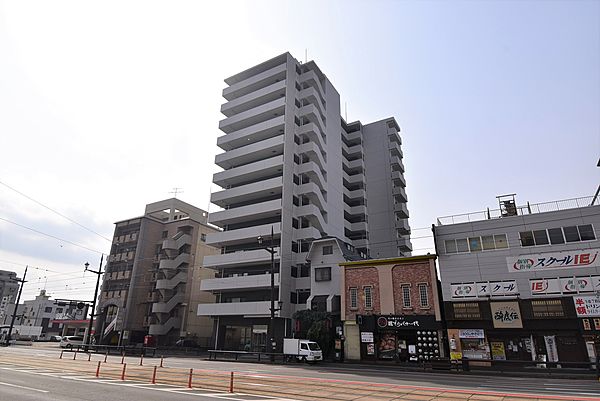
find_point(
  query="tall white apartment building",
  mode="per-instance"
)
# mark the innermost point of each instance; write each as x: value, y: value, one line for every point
x: 294, y: 167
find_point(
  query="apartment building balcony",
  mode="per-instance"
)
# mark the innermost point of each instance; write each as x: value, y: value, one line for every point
x: 308, y: 233
x: 358, y: 226
x: 313, y: 214
x: 311, y: 95
x: 250, y: 172
x: 254, y: 99
x: 398, y: 179
x: 394, y: 136
x: 166, y: 307
x: 311, y: 78
x: 312, y: 114
x: 251, y: 153
x: 253, y: 116
x: 355, y: 194
x: 255, y: 82
x: 240, y: 214
x: 169, y: 284
x: 313, y: 171
x: 404, y: 244
x: 353, y: 179
x: 183, y: 258
x: 357, y: 164
x: 240, y: 258
x: 255, y: 282
x: 395, y: 149
x: 242, y: 235
x: 361, y: 243
x: 312, y: 150
x: 355, y: 138
x: 399, y: 194
x: 313, y: 133
x: 160, y: 329
x: 246, y: 309
x: 255, y: 133
x: 177, y: 241
x: 355, y: 210
x: 402, y: 226
x: 401, y: 210
x: 248, y: 192
x: 313, y: 193
x: 396, y: 163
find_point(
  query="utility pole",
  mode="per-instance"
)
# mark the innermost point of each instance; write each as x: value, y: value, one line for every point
x: 92, y: 314
x: 14, y: 316
x: 271, y: 250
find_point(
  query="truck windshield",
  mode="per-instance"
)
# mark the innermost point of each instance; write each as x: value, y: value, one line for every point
x: 314, y: 347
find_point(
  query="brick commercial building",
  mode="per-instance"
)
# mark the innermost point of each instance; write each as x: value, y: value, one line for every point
x: 391, y: 309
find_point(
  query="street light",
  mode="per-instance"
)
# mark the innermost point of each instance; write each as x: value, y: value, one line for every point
x: 271, y: 250
x: 99, y: 273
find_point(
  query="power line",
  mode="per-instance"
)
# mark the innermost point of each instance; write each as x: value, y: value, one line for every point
x: 54, y: 211
x: 51, y: 236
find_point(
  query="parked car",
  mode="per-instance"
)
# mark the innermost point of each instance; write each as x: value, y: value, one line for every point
x: 302, y: 350
x: 55, y: 338
x: 70, y: 341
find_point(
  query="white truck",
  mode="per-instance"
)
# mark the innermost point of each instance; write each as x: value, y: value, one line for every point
x: 302, y: 350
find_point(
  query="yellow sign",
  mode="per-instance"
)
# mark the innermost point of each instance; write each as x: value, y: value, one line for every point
x: 455, y: 355
x: 498, y: 352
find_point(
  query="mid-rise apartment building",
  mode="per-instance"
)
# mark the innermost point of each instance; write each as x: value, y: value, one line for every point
x: 521, y: 282
x: 152, y: 279
x: 293, y: 167
x: 9, y: 287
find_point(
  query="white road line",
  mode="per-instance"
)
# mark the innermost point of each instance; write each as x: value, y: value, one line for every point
x: 23, y: 387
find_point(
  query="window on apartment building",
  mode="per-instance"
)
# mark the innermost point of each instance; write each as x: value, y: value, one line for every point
x: 487, y: 242
x: 203, y: 237
x: 165, y: 234
x: 462, y: 245
x: 305, y: 270
x: 303, y: 296
x: 466, y: 310
x: 556, y: 236
x: 500, y: 241
x: 450, y: 246
x: 48, y: 309
x: 59, y: 310
x: 368, y: 297
x: 353, y: 298
x: 293, y: 298
x: 297, y: 161
x: 295, y: 222
x: 406, y: 296
x: 540, y: 237
x: 294, y: 271
x: 297, y: 139
x: 571, y: 234
x: 423, y: 295
x: 545, y: 308
x: 475, y: 244
x: 586, y: 232
x: 295, y: 201
x: 526, y: 238
x: 328, y: 250
x: 296, y: 179
x: 323, y: 274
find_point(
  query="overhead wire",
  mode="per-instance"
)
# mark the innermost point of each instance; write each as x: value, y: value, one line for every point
x: 55, y: 211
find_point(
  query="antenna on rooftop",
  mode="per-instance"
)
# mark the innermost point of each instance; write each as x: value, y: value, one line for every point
x: 175, y: 191
x: 346, y: 111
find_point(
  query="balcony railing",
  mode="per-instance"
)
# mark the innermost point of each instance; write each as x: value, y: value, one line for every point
x: 535, y: 208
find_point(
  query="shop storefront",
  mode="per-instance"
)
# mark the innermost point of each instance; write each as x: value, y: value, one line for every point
x: 400, y: 338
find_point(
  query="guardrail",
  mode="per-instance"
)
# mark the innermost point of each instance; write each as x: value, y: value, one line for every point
x: 235, y: 355
x: 114, y: 349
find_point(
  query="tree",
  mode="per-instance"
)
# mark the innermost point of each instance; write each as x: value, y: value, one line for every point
x: 315, y: 326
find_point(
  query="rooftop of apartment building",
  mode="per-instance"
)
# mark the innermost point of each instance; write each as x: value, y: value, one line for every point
x: 508, y: 207
x: 170, y: 210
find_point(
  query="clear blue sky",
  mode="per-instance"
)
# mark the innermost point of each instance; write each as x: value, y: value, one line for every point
x: 105, y: 107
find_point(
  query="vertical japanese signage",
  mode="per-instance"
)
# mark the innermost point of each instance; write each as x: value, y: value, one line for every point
x: 506, y: 315
x: 587, y: 305
x: 554, y: 260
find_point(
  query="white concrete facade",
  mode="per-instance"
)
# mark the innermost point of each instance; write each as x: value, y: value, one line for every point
x: 293, y: 165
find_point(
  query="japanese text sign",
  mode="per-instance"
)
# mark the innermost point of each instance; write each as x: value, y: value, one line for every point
x: 587, y: 305
x: 506, y: 315
x: 554, y: 260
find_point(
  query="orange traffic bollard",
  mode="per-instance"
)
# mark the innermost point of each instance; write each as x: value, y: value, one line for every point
x: 190, y: 379
x: 231, y: 383
x: 105, y: 356
x: 89, y: 357
x: 123, y: 372
x: 154, y: 376
x: 142, y: 360
x: 75, y: 355
x: 98, y: 370
x: 161, y: 361
x: 122, y: 359
x: 61, y: 352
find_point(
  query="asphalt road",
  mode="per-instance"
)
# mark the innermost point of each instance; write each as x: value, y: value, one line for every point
x: 367, y: 374
x: 35, y: 385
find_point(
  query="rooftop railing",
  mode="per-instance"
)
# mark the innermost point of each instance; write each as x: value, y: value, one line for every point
x: 489, y: 214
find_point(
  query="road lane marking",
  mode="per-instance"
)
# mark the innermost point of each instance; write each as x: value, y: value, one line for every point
x: 23, y: 387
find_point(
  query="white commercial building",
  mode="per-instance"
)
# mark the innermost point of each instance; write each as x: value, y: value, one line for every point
x: 293, y: 167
